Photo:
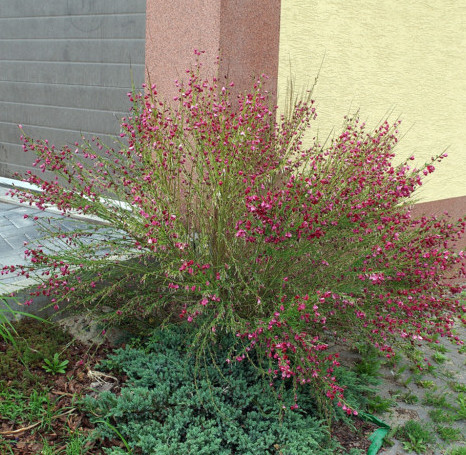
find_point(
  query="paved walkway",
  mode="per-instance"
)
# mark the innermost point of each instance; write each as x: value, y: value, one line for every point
x: 18, y: 227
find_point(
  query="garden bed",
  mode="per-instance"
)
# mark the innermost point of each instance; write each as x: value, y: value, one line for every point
x: 41, y: 413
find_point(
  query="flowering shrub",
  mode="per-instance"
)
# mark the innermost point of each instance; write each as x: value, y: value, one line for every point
x: 218, y: 214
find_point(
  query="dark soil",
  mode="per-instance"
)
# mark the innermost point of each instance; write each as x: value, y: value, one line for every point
x: 38, y: 341
x: 353, y: 438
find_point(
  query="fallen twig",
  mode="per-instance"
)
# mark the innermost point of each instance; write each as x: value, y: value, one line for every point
x: 20, y: 430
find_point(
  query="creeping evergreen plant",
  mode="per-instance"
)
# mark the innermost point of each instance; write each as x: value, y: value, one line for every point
x: 215, y: 208
x: 166, y: 407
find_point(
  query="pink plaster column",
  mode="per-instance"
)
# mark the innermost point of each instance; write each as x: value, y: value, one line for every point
x: 243, y: 33
x: 455, y: 207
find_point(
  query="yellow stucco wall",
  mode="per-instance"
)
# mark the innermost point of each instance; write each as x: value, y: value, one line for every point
x: 378, y: 55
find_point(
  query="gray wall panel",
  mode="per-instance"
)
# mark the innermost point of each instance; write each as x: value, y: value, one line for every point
x: 65, y: 69
x: 11, y: 134
x: 22, y: 159
x: 41, y: 8
x: 15, y: 153
x: 70, y: 73
x: 12, y: 168
x: 99, y: 122
x: 13, y: 159
x: 75, y: 27
x: 82, y: 50
x: 102, y: 98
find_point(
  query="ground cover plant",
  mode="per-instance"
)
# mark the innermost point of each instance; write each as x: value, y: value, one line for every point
x: 45, y: 413
x: 216, y: 213
x: 229, y: 410
x: 39, y: 411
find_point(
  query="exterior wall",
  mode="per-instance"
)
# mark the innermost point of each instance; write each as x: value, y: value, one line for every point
x: 249, y: 42
x: 173, y: 31
x: 380, y: 56
x: 243, y: 33
x: 65, y: 69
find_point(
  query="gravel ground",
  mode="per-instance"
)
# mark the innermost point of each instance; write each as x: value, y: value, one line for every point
x: 448, y: 379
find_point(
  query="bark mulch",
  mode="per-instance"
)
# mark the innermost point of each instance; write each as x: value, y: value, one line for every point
x: 23, y: 437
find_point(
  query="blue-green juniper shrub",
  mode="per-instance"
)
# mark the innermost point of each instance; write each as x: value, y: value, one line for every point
x: 170, y: 405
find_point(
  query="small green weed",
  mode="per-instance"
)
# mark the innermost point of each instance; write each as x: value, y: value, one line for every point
x: 370, y: 361
x: 414, y: 436
x: 415, y: 355
x: 409, y: 398
x: 457, y: 451
x: 19, y: 408
x: 47, y: 449
x: 55, y: 366
x: 449, y: 434
x: 437, y: 400
x: 439, y: 357
x: 397, y: 372
x: 412, y: 377
x: 414, y: 445
x: 426, y: 384
x: 439, y: 348
x: 75, y: 445
x: 442, y: 416
x: 461, y: 411
x: 458, y: 387
x: 449, y: 374
x: 5, y: 447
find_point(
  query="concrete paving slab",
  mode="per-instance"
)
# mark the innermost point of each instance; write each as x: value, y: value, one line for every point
x: 19, y: 222
x: 17, y: 226
x: 33, y: 235
x: 3, y: 244
x: 17, y: 242
x: 3, y: 219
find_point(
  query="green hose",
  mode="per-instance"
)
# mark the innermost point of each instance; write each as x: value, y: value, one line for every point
x: 378, y: 436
